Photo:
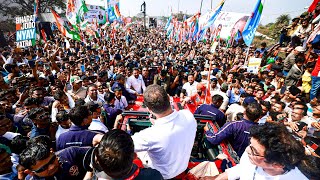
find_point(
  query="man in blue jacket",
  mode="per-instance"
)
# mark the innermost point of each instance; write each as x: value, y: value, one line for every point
x: 237, y: 132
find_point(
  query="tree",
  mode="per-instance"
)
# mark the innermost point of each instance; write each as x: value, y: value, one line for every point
x: 12, y: 8
x: 283, y: 19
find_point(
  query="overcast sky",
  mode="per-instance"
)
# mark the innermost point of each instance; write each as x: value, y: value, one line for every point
x: 272, y: 8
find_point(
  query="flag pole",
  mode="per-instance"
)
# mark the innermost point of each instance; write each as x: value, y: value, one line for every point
x: 245, y: 61
x: 201, y: 6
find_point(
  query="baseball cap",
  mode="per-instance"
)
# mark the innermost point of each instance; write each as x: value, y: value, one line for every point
x: 75, y: 79
x: 272, y: 87
x: 300, y: 49
x: 249, y: 100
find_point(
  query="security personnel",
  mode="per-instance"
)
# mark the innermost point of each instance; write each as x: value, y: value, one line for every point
x: 78, y: 134
x: 39, y: 161
x: 237, y: 132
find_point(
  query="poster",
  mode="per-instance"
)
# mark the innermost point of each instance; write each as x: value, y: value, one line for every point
x: 230, y: 22
x: 25, y: 31
x: 253, y: 65
x: 95, y: 14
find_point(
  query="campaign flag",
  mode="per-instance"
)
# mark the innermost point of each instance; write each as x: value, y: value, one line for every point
x: 195, y: 29
x: 211, y: 20
x: 36, y: 9
x: 252, y: 24
x: 76, y: 11
x: 168, y: 23
x: 44, y: 35
x: 113, y: 10
x: 63, y: 29
x: 313, y: 6
x: 237, y: 36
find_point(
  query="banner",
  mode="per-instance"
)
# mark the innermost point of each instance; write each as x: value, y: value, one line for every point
x: 252, y: 24
x: 211, y: 19
x: 113, y: 10
x: 95, y: 13
x: 25, y: 31
x: 228, y: 24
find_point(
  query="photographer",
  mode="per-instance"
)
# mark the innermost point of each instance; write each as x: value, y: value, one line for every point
x: 162, y: 79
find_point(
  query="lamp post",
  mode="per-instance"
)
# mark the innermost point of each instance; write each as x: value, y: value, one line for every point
x: 143, y: 9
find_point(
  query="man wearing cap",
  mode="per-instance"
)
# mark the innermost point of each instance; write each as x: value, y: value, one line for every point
x: 162, y: 79
x: 288, y: 31
x: 135, y: 82
x: 77, y: 91
x: 290, y: 59
x: 236, y: 132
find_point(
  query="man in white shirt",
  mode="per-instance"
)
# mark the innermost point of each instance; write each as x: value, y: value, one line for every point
x: 190, y: 87
x: 273, y: 154
x: 96, y: 124
x: 92, y: 95
x: 166, y: 145
x: 135, y: 82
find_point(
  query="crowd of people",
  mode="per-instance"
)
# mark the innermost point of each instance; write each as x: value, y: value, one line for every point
x: 61, y: 103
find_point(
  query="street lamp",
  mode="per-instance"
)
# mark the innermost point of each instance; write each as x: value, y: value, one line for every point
x: 143, y: 9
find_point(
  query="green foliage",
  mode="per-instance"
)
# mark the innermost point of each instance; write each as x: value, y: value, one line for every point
x: 273, y: 30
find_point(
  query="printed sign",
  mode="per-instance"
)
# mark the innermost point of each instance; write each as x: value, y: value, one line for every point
x: 253, y: 65
x: 25, y: 31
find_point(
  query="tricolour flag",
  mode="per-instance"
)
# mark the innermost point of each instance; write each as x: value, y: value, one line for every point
x: 36, y: 9
x: 252, y: 24
x: 61, y: 26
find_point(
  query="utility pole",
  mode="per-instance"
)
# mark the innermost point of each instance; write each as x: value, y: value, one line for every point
x: 201, y: 6
x: 143, y: 9
x: 211, y: 5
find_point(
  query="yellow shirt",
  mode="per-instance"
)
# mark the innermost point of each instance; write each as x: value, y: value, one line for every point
x: 306, y: 82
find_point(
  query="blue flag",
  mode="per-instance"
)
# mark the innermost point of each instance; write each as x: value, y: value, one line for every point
x: 252, y: 24
x: 168, y: 23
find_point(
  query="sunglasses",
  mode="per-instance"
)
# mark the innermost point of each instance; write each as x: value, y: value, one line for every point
x: 253, y: 153
x: 45, y: 167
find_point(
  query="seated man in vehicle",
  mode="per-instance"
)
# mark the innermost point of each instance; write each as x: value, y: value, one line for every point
x: 236, y: 132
